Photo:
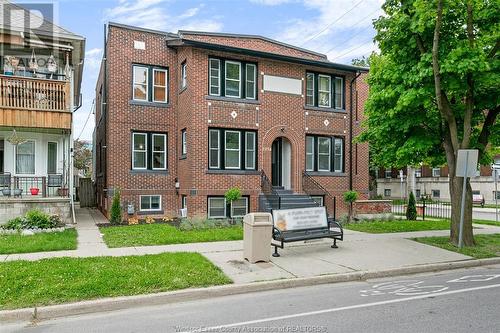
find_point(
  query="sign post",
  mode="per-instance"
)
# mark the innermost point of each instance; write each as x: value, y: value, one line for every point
x: 466, y: 167
x: 496, y: 175
x: 401, y: 177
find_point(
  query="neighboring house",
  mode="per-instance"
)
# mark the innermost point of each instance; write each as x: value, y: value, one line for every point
x: 181, y: 118
x: 433, y: 182
x: 40, y: 76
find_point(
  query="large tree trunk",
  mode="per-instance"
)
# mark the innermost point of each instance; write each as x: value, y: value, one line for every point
x: 456, y: 188
x: 455, y: 185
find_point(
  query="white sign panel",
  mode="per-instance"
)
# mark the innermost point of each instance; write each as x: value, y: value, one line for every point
x: 300, y: 218
x: 282, y: 84
x: 467, y: 159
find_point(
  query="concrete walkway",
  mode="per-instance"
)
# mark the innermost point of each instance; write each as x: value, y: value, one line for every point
x: 359, y: 252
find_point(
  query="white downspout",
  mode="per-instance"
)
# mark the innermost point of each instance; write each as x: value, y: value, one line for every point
x: 71, y: 152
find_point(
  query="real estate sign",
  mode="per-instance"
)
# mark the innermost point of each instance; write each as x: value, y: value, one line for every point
x: 300, y: 218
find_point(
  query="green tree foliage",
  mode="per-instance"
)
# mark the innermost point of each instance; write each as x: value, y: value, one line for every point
x: 434, y: 88
x: 82, y: 157
x: 361, y: 62
x: 411, y: 209
x: 116, y: 210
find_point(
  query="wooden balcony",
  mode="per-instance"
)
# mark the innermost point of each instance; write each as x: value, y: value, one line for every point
x: 34, y: 102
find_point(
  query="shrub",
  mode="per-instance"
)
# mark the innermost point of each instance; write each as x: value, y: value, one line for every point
x: 33, y: 219
x: 149, y: 219
x: 116, y: 210
x: 349, y: 198
x: 232, y: 194
x: 411, y: 209
x: 132, y: 221
x: 15, y: 223
x: 38, y: 219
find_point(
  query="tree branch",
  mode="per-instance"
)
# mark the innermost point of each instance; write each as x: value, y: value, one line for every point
x: 469, y: 97
x: 491, y: 117
x: 494, y: 50
x: 441, y: 98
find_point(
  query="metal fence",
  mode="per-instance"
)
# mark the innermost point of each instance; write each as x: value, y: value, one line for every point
x: 425, y: 209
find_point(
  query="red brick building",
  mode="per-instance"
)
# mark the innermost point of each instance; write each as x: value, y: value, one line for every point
x: 181, y: 118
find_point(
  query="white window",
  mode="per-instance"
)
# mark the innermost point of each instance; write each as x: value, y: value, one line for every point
x: 324, y: 151
x: 418, y: 173
x: 309, y: 153
x: 183, y: 142
x: 436, y: 172
x: 324, y: 91
x: 233, y: 79
x: 160, y: 93
x: 436, y: 193
x: 184, y: 202
x: 251, y: 73
x: 216, y: 207
x: 159, y: 156
x: 387, y: 192
x: 183, y: 75
x: 250, y: 150
x: 150, y: 202
x: 51, y: 157
x: 25, y: 158
x: 214, y: 77
x: 339, y: 93
x: 239, y: 208
x: 232, y: 149
x: 338, y: 155
x: 214, y: 149
x: 310, y: 89
x: 388, y: 173
x: 139, y: 150
x: 318, y: 199
x: 140, y: 84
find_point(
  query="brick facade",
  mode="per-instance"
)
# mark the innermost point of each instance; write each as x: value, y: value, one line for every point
x: 271, y: 115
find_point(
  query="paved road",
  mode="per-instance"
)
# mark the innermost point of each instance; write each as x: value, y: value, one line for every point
x: 453, y: 301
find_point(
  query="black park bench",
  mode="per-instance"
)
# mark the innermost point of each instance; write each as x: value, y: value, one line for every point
x: 321, y: 227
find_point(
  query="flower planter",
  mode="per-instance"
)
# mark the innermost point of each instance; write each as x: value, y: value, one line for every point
x: 17, y: 192
x: 34, y: 191
x: 6, y: 192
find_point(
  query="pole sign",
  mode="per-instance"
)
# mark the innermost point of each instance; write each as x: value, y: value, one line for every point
x: 467, y: 162
x: 300, y: 218
x: 466, y: 167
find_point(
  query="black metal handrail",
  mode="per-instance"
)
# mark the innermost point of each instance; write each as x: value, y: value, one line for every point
x: 270, y: 193
x: 311, y: 187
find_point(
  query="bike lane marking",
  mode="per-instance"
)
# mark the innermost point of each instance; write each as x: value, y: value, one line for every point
x: 344, y: 308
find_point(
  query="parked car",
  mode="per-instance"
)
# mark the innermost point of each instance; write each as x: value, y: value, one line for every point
x: 478, y: 199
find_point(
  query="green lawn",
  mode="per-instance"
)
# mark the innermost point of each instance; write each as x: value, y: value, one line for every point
x: 59, y: 280
x: 162, y: 234
x: 380, y: 227
x: 53, y: 241
x: 487, y: 246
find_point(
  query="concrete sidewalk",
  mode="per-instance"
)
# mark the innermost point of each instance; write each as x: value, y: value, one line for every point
x: 359, y: 252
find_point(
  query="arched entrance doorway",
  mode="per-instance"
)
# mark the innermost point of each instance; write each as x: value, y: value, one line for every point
x: 281, y: 163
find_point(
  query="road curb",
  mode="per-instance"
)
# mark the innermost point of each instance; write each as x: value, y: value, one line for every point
x: 125, y: 302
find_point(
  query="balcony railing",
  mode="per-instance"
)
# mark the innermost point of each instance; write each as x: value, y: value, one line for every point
x: 17, y: 92
x: 30, y: 186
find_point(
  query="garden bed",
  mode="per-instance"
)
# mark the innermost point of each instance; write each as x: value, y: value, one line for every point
x: 59, y: 280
